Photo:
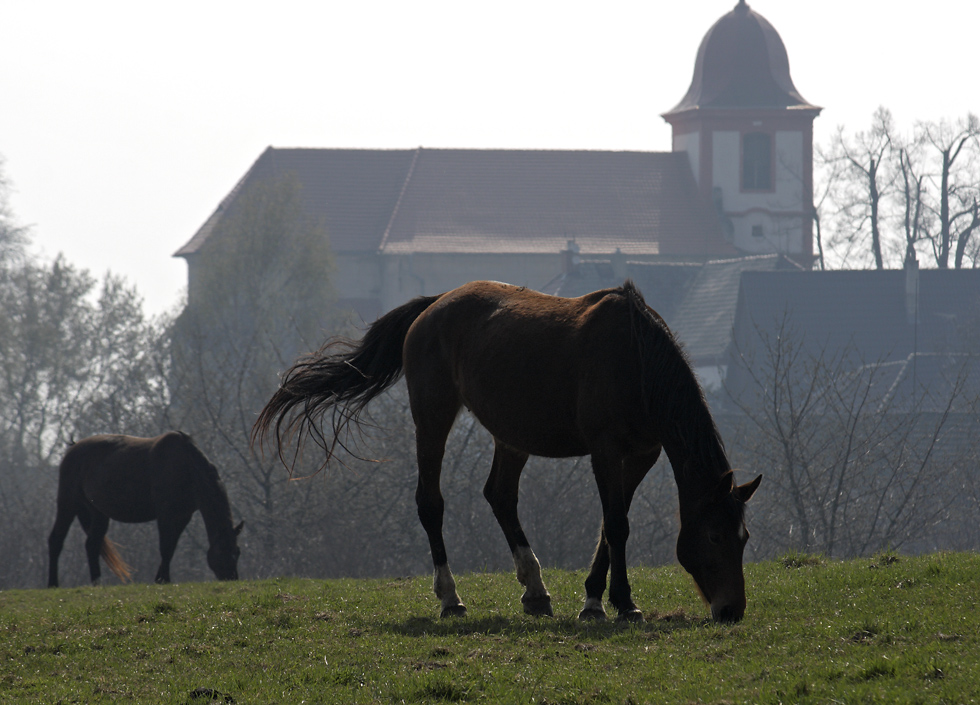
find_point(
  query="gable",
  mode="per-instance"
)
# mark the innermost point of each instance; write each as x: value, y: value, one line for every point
x: 353, y: 192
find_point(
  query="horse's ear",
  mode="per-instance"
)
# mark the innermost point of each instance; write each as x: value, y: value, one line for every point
x: 724, y: 487
x: 238, y: 529
x: 743, y: 493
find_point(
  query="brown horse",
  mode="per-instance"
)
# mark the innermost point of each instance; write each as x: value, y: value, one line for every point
x: 598, y: 375
x: 135, y: 480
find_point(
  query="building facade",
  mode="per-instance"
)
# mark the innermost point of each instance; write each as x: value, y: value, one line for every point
x: 421, y: 221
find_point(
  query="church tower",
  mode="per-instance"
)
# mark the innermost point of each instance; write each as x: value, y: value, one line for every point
x: 748, y: 135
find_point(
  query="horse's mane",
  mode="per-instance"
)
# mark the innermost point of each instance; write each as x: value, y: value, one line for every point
x: 208, y: 484
x: 671, y: 392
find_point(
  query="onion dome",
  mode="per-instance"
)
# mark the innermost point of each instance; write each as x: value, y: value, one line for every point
x: 742, y: 63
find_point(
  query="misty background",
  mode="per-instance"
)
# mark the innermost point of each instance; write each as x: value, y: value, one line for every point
x: 123, y: 126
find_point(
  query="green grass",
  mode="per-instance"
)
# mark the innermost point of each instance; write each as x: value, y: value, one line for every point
x: 884, y: 630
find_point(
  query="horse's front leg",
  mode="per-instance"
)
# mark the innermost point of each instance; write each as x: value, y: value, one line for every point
x: 170, y: 526
x: 501, y: 491
x: 595, y: 584
x: 617, y: 481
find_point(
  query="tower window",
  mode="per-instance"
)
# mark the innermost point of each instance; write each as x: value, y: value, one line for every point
x: 756, y: 161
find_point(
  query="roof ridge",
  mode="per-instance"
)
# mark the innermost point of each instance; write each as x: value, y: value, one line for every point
x: 398, y: 201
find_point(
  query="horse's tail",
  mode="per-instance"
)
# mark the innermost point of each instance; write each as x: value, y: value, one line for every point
x: 341, y: 377
x: 114, y: 561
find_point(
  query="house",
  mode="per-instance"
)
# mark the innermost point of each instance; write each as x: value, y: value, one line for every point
x: 915, y: 328
x: 737, y: 183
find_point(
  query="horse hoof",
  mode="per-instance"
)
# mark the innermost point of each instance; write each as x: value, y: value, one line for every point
x: 633, y: 616
x: 538, y: 606
x: 453, y: 611
x: 592, y: 614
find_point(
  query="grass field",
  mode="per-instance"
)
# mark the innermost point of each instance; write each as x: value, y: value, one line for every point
x: 889, y: 629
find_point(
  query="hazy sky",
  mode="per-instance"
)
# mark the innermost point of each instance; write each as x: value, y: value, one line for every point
x: 123, y: 124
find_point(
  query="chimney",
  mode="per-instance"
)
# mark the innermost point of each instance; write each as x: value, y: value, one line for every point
x: 619, y: 264
x: 569, y: 257
x: 911, y: 289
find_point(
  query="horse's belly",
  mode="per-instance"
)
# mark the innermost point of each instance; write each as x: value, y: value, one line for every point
x: 121, y: 505
x: 548, y: 440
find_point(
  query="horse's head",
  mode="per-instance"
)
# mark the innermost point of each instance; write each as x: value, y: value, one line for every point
x: 710, y: 545
x: 223, y: 555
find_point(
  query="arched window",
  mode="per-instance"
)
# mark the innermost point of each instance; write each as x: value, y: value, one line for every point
x: 756, y: 161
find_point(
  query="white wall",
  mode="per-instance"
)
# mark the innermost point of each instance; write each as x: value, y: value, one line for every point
x: 691, y: 144
x: 778, y: 212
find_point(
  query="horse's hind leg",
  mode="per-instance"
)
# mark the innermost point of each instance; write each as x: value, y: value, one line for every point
x: 56, y: 540
x: 434, y: 416
x: 501, y: 492
x: 96, y: 524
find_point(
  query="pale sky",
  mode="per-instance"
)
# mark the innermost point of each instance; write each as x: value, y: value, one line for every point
x: 123, y: 124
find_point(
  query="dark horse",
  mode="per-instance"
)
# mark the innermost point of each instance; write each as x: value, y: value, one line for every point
x: 597, y: 375
x: 134, y: 480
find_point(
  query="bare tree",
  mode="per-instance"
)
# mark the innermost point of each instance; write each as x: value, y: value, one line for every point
x: 914, y: 223
x: 891, y: 194
x: 264, y: 297
x: 854, y: 467
x: 861, y: 173
x: 956, y: 179
x: 70, y: 366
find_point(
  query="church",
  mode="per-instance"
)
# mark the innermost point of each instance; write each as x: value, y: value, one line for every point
x: 736, y: 186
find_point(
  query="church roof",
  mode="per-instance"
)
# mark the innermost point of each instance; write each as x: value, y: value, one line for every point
x: 495, y: 201
x: 741, y: 63
x: 353, y: 191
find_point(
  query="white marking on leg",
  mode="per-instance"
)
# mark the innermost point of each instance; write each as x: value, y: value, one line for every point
x: 593, y: 604
x: 529, y: 573
x: 445, y: 587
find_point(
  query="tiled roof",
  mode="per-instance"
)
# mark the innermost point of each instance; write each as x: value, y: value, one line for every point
x: 704, y: 318
x: 353, y: 191
x: 863, y: 309
x: 663, y: 284
x: 925, y: 382
x: 495, y: 201
x: 855, y: 319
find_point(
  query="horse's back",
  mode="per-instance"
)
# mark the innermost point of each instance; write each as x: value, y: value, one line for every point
x: 101, y: 448
x: 122, y: 475
x: 523, y: 362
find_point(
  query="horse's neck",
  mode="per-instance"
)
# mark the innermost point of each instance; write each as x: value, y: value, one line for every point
x: 215, y: 510
x: 697, y: 457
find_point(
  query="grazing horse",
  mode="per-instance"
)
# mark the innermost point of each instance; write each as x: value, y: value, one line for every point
x: 597, y: 375
x: 134, y: 480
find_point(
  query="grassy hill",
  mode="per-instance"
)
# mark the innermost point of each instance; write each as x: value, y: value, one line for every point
x: 887, y: 629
